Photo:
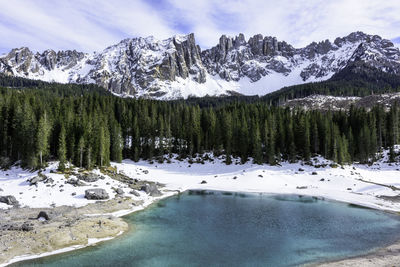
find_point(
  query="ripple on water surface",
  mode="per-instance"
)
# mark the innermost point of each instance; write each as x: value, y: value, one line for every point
x: 238, y: 230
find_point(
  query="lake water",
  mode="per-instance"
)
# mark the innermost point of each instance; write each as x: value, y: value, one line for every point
x: 222, y: 229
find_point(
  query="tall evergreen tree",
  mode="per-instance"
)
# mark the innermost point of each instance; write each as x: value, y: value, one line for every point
x: 81, y: 150
x: 257, y: 150
x: 62, y: 150
x: 42, y: 138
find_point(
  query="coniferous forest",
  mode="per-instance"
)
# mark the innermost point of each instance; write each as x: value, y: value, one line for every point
x: 87, y: 127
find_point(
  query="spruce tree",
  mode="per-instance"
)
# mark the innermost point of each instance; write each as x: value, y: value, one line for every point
x: 271, y: 144
x: 42, y: 138
x: 117, y: 144
x: 227, y: 122
x: 306, y: 144
x: 81, y: 150
x: 62, y: 150
x: 257, y: 150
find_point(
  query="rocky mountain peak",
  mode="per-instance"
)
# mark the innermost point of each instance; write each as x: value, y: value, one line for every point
x: 19, y: 55
x: 176, y: 67
x: 353, y: 37
x: 320, y: 48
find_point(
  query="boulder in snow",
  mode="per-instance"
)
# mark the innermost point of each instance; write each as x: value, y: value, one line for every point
x: 151, y: 189
x: 301, y: 187
x: 135, y: 193
x: 96, y: 193
x: 9, y: 200
x: 119, y: 191
x: 35, y: 180
x: 89, y: 177
x: 76, y: 182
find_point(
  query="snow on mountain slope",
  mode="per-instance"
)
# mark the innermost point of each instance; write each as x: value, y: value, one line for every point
x: 177, y: 68
x: 326, y: 102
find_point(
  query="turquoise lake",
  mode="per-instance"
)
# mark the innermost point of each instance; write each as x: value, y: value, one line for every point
x: 223, y: 229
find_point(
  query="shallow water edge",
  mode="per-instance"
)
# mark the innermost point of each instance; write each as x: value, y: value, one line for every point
x: 200, y: 192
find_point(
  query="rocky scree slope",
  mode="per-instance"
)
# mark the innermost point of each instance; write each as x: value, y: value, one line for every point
x: 177, y: 68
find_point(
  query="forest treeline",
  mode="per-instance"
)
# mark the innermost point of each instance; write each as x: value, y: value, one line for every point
x: 92, y: 129
x: 354, y: 80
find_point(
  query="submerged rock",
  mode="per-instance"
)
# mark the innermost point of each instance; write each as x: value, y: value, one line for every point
x: 96, y: 193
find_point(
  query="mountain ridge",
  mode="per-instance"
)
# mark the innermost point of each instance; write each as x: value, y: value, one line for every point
x: 177, y: 67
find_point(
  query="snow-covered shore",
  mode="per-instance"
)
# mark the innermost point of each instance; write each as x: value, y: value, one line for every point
x: 356, y: 184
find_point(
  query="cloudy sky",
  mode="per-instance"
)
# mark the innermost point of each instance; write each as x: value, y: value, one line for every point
x: 89, y: 25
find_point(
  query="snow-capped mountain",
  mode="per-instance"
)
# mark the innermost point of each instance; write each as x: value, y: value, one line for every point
x: 176, y: 67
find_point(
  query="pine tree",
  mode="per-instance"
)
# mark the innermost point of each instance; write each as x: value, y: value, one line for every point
x: 161, y: 141
x: 291, y: 151
x: 136, y: 144
x: 271, y: 143
x: 104, y: 145
x: 244, y: 138
x: 335, y: 150
x: 227, y: 122
x: 257, y: 150
x: 42, y: 138
x: 306, y: 150
x: 62, y: 150
x: 117, y: 144
x: 168, y: 138
x: 196, y: 130
x: 315, y: 138
x: 81, y: 150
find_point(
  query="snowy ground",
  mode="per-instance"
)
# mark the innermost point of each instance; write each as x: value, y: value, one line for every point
x: 14, y: 182
x: 341, y: 183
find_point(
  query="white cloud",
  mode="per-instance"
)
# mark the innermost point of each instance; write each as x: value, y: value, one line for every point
x: 83, y: 25
x: 297, y: 22
x: 92, y: 25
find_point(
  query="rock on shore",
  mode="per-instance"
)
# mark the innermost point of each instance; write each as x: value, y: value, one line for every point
x: 96, y: 193
x: 9, y: 200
